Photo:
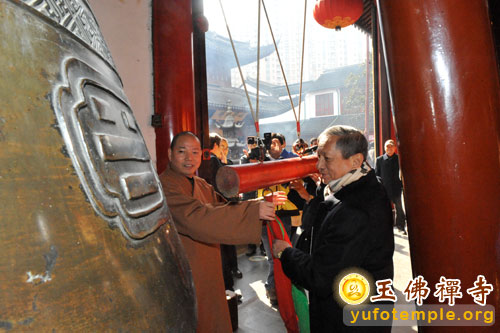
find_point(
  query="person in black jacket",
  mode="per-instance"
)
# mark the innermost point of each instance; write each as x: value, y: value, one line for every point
x: 387, y: 168
x: 352, y: 223
x: 218, y: 158
x: 249, y: 157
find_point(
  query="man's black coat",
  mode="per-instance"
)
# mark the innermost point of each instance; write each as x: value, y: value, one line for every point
x: 387, y: 168
x: 354, y: 231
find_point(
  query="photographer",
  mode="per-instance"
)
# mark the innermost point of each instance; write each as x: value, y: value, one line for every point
x: 277, y: 149
x: 257, y: 149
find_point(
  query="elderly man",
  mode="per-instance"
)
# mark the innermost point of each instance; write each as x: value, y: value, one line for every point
x: 352, y: 229
x: 203, y: 222
x: 387, y: 168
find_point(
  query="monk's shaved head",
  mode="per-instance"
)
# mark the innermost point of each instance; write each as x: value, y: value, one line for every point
x: 178, y: 135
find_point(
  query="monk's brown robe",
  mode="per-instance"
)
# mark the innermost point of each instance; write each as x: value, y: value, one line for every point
x: 203, y: 223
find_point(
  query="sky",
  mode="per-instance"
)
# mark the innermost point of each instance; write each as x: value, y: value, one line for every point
x: 242, y: 14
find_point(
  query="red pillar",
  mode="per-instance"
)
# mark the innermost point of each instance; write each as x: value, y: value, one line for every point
x: 445, y: 90
x: 173, y: 72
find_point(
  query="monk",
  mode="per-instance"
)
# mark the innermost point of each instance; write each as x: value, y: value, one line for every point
x: 204, y: 220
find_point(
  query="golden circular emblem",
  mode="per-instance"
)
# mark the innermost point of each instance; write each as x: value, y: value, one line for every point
x: 354, y: 288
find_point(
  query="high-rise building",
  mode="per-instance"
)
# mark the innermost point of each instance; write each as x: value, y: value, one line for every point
x: 324, y: 48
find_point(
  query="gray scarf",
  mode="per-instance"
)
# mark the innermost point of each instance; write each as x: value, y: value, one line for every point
x: 335, y: 185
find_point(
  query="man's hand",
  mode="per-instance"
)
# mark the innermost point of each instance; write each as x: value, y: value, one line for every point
x: 316, y: 177
x: 266, y: 210
x: 298, y: 185
x: 279, y: 246
x: 267, y: 207
x: 278, y: 198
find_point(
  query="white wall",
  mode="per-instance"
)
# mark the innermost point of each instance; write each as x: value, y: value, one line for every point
x: 126, y: 27
x: 310, y: 103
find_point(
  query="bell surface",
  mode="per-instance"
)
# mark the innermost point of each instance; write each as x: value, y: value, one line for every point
x: 86, y: 238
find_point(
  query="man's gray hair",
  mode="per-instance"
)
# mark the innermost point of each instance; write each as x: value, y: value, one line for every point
x: 350, y: 140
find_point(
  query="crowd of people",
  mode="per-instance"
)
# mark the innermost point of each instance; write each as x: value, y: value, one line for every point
x: 338, y: 219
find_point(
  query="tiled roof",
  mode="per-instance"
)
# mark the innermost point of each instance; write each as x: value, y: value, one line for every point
x: 218, y: 98
x: 219, y: 50
x: 270, y: 104
x: 313, y: 127
x: 331, y: 79
x: 365, y: 21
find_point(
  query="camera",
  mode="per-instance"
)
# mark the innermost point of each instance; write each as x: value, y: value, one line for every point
x: 254, y: 154
x: 263, y: 146
x: 252, y: 140
x: 309, y: 151
x: 267, y: 140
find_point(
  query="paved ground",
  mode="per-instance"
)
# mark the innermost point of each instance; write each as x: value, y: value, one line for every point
x: 402, y: 274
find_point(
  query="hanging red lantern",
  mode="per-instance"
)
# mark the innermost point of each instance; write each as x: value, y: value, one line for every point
x: 337, y: 13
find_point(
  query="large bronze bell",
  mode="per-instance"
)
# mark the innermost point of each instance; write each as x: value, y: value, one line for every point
x: 86, y: 239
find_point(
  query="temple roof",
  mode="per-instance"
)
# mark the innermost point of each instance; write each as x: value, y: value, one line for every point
x: 275, y: 99
x: 269, y: 106
x: 330, y: 79
x: 314, y: 126
x: 220, y: 51
x: 365, y: 21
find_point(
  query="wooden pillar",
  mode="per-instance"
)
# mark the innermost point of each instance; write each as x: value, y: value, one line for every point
x: 383, y: 116
x: 201, y: 25
x: 173, y: 73
x: 376, y: 79
x: 445, y: 92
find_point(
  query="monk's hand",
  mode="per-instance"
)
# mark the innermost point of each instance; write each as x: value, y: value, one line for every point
x: 278, y: 247
x: 266, y: 210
